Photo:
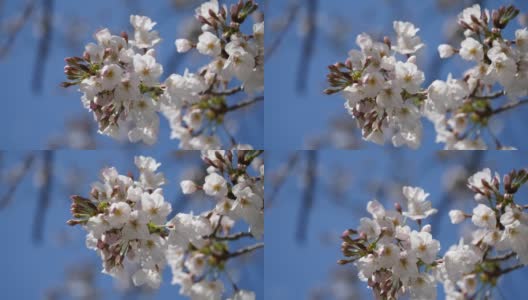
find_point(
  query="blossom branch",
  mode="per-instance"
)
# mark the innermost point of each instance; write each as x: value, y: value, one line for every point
x: 393, y: 267
x: 195, y: 110
x: 188, y: 243
x: 382, y: 95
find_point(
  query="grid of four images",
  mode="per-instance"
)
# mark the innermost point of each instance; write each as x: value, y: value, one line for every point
x: 135, y: 136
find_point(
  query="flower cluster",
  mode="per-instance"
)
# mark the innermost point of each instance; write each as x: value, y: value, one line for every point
x: 127, y: 224
x: 395, y: 259
x: 198, y: 244
x: 391, y: 256
x: 378, y: 89
x: 460, y: 108
x: 120, y: 78
x: 500, y: 243
x: 125, y: 221
x: 194, y: 100
x: 238, y: 195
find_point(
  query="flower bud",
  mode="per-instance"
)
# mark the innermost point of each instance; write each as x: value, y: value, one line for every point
x: 426, y: 228
x: 457, y: 216
x: 363, y: 236
x: 343, y: 261
x: 387, y: 41
x: 183, y: 45
x: 446, y: 51
x: 398, y: 207
x: 188, y: 187
x: 507, y: 183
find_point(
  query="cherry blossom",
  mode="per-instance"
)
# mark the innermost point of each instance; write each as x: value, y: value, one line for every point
x: 128, y: 224
x: 384, y: 92
x: 397, y: 260
x: 121, y: 80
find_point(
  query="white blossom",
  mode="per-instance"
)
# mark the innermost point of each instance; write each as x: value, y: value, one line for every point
x: 188, y: 187
x: 407, y: 41
x: 445, y: 51
x: 183, y: 45
x: 417, y: 206
x: 209, y: 44
x: 471, y: 49
x: 483, y: 216
x: 456, y: 216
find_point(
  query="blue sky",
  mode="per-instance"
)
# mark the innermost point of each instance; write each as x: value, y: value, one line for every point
x: 294, y: 269
x: 30, y: 120
x: 291, y: 118
x: 28, y: 270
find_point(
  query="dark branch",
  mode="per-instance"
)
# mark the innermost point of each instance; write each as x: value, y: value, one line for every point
x: 44, y: 46
x: 294, y: 9
x: 308, y: 194
x: 44, y: 196
x: 281, y: 178
x: 28, y: 162
x: 308, y: 46
x: 26, y: 14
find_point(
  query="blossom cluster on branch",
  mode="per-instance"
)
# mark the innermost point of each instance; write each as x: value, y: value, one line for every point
x: 387, y: 99
x: 127, y: 224
x: 120, y: 78
x: 396, y: 259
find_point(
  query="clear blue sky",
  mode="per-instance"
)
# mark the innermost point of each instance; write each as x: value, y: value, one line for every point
x: 28, y: 270
x: 291, y: 118
x: 29, y: 120
x: 294, y: 269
